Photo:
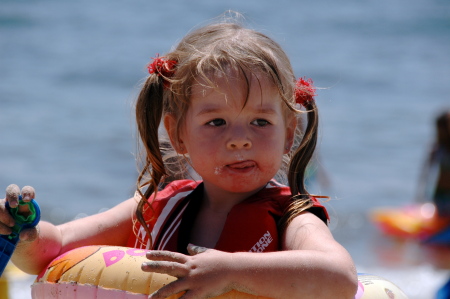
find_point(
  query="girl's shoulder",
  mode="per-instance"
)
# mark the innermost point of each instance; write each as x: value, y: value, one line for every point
x: 173, y: 194
x: 282, y: 195
x: 176, y: 187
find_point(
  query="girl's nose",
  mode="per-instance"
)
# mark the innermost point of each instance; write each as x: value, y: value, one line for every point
x: 239, y: 142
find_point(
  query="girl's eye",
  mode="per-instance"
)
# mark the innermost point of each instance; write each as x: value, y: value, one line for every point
x: 260, y: 122
x: 217, y: 122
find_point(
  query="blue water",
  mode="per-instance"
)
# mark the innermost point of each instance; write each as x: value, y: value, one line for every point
x: 70, y: 70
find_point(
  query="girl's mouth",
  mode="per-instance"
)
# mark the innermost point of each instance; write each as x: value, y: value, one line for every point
x: 242, y: 165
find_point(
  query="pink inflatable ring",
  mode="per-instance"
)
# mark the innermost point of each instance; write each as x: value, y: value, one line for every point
x: 113, y: 272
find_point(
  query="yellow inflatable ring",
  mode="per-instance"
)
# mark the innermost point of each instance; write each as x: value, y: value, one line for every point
x: 113, y: 272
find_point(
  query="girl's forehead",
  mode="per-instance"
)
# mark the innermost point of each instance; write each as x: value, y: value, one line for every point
x: 234, y: 85
x: 257, y: 98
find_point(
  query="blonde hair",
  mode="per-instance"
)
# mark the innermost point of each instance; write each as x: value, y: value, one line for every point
x: 201, y: 55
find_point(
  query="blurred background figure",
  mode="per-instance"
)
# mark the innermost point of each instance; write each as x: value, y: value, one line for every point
x: 434, y: 182
x: 426, y: 223
x: 434, y: 186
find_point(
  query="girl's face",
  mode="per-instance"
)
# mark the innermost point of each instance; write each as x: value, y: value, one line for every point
x: 235, y: 147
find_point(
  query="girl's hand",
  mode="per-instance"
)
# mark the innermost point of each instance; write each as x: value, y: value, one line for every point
x: 203, y: 274
x: 7, y: 221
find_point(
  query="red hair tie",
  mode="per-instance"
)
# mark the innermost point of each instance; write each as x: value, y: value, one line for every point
x: 304, y: 91
x: 162, y: 67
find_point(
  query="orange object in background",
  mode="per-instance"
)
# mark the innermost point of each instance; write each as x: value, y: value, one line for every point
x: 417, y: 222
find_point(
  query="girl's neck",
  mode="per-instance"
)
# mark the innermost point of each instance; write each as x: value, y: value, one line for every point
x: 222, y: 201
x: 213, y: 213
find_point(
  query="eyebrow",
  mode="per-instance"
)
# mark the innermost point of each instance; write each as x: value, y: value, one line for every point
x: 266, y: 111
x: 216, y: 110
x: 208, y: 110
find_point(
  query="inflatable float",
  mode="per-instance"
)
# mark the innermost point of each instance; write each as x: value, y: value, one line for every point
x: 421, y: 224
x: 418, y: 222
x: 112, y: 272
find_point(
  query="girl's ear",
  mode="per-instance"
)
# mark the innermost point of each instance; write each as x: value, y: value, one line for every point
x: 291, y: 126
x: 170, y: 124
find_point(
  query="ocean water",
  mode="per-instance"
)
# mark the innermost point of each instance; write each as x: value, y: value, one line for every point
x: 70, y: 70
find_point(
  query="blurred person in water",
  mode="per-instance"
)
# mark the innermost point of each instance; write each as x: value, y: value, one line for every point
x: 434, y: 183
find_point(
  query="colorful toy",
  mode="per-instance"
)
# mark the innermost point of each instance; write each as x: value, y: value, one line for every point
x: 31, y: 219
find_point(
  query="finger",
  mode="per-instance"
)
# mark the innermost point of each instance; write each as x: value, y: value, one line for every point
x: 5, y: 229
x: 193, y: 294
x: 194, y: 249
x: 175, y: 287
x: 169, y: 256
x: 170, y: 268
x: 29, y: 234
x: 12, y: 195
x: 28, y: 193
x: 6, y: 220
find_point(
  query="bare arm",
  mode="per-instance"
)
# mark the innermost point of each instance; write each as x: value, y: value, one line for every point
x: 112, y: 227
x: 312, y: 265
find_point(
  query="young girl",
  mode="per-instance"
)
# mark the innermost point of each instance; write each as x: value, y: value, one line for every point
x: 229, y: 102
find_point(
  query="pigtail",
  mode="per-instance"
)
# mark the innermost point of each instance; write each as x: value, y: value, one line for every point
x: 304, y: 152
x: 301, y: 199
x: 149, y: 109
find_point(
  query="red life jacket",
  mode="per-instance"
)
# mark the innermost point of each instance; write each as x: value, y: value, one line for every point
x: 251, y: 225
